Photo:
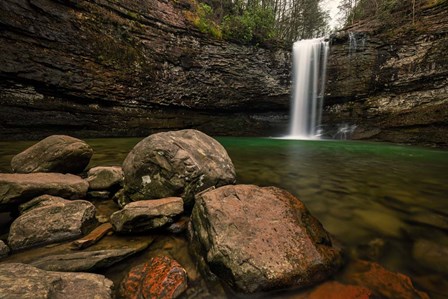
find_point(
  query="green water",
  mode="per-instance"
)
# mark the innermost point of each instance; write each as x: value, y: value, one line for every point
x: 396, y: 196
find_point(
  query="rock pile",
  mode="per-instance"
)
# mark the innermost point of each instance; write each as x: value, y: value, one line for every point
x: 249, y: 238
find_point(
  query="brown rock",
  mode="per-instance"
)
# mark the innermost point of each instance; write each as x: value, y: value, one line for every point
x: 259, y: 239
x: 381, y: 281
x: 18, y: 188
x: 56, y: 153
x: 145, y: 215
x: 159, y: 278
x: 103, y: 178
x: 93, y: 237
x: 336, y: 290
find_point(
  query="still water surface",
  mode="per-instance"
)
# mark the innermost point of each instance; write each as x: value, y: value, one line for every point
x: 393, y: 197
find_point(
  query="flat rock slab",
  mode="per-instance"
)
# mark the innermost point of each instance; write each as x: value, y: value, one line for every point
x: 104, y: 177
x: 63, y: 220
x: 83, y: 261
x: 177, y: 163
x: 336, y: 290
x: 18, y: 188
x: 161, y: 278
x: 145, y: 215
x: 56, y: 153
x: 25, y: 281
x: 258, y: 239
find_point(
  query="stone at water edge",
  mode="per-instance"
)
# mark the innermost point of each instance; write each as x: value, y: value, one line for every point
x: 382, y: 282
x: 176, y: 163
x: 4, y: 249
x: 58, y: 222
x: 145, y: 215
x: 336, y: 290
x: 56, y: 153
x: 41, y: 201
x: 104, y: 177
x: 25, y: 281
x: 17, y: 188
x: 260, y: 239
x: 161, y: 278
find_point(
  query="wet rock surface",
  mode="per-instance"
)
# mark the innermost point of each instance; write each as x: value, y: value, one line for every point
x: 161, y: 277
x: 57, y: 153
x: 336, y: 290
x: 258, y: 239
x: 25, y: 281
x: 60, y: 221
x: 146, y: 215
x: 18, y: 188
x: 177, y: 163
x: 103, y: 178
x: 382, y: 282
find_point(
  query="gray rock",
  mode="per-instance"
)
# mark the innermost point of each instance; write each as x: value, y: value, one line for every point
x: 259, y: 239
x: 50, y: 224
x: 27, y: 282
x: 177, y: 163
x: 4, y: 249
x: 56, y: 153
x: 84, y: 260
x: 103, y: 178
x: 431, y: 255
x: 145, y: 215
x: 18, y: 188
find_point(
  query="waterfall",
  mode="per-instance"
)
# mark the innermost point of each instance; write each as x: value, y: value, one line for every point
x: 309, y: 72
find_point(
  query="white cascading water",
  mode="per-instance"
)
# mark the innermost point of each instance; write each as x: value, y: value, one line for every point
x: 309, y: 72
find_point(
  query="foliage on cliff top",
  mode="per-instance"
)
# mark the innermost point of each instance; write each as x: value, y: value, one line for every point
x: 257, y: 22
x: 390, y: 13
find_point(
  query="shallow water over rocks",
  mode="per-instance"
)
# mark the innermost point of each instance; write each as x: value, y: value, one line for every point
x: 383, y: 202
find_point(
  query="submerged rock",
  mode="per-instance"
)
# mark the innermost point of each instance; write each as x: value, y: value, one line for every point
x: 56, y: 153
x: 259, y: 239
x: 63, y: 220
x: 25, y: 281
x: 336, y: 290
x: 103, y: 178
x: 431, y: 255
x: 383, y: 283
x: 145, y: 215
x: 176, y: 163
x: 4, y: 249
x: 18, y: 188
x: 161, y: 278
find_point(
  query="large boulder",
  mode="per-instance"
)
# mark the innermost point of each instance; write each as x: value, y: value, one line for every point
x: 145, y: 215
x: 27, y: 282
x: 161, y: 278
x: 104, y: 177
x: 259, y: 239
x: 176, y: 163
x: 17, y: 188
x: 56, y: 153
x: 60, y: 221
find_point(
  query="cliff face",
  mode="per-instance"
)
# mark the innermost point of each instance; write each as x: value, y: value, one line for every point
x: 126, y: 68
x: 393, y: 86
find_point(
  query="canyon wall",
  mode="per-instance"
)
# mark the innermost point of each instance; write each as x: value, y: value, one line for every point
x: 391, y: 84
x: 129, y: 68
